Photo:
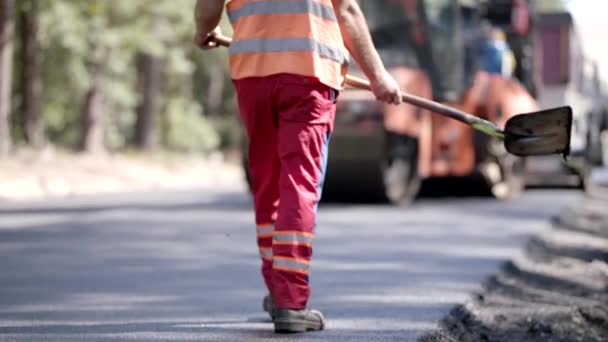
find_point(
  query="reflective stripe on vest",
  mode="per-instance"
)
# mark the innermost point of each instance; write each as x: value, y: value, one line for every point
x: 283, y: 7
x: 300, y: 37
x: 288, y: 44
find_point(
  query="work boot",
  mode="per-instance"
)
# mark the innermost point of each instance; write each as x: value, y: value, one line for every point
x: 297, y: 321
x: 268, y: 305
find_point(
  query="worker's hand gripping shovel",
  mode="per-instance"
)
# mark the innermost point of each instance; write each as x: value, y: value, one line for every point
x: 536, y: 133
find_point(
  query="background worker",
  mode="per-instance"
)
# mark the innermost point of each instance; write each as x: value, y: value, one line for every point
x: 288, y: 60
x: 496, y: 55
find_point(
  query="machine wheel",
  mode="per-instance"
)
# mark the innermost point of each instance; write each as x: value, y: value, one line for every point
x: 600, y: 158
x: 604, y: 145
x: 400, y: 176
x: 583, y: 171
x: 504, y: 173
x: 594, y: 144
x: 401, y: 181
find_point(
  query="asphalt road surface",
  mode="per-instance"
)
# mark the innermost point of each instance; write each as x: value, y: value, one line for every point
x: 184, y: 266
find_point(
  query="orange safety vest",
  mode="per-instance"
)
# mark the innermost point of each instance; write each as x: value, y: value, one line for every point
x: 299, y: 37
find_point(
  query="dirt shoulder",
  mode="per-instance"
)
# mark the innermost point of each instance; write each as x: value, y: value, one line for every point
x: 557, y: 291
x: 51, y: 173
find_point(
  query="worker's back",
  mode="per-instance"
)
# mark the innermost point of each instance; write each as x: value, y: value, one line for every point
x: 274, y: 37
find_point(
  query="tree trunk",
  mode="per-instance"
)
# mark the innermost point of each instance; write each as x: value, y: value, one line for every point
x: 91, y: 117
x: 149, y: 71
x: 32, y: 76
x: 215, y: 92
x: 7, y: 31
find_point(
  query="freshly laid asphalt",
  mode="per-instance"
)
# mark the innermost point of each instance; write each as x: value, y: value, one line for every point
x: 184, y: 266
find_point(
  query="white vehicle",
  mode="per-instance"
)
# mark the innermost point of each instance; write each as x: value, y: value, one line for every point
x: 568, y: 77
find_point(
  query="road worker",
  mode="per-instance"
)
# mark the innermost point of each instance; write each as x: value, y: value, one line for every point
x: 496, y: 55
x: 288, y: 61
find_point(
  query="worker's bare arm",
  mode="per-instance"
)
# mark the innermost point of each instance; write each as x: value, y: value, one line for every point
x: 356, y: 37
x: 359, y: 43
x: 207, y: 16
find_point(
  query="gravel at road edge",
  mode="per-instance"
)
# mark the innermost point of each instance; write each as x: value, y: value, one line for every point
x: 557, y: 291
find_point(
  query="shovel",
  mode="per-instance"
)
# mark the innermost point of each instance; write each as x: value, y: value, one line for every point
x: 536, y: 133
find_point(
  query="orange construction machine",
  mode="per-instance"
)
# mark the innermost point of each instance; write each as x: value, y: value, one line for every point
x: 434, y: 48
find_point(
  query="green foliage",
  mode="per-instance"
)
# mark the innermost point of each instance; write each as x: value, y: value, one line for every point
x: 230, y: 131
x: 79, y: 36
x: 188, y: 130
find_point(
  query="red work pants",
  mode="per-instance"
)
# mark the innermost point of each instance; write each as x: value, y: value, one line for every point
x: 288, y: 119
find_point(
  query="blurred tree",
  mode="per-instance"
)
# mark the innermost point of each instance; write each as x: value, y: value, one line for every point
x: 83, y: 50
x: 215, y: 92
x: 91, y: 113
x: 31, y: 73
x: 149, y: 75
x: 126, y: 72
x: 167, y: 50
x: 97, y: 19
x: 7, y: 30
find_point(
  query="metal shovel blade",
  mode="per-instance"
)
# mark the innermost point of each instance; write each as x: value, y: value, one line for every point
x: 540, y: 133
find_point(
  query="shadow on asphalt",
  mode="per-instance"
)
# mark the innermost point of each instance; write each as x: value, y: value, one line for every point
x: 455, y: 188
